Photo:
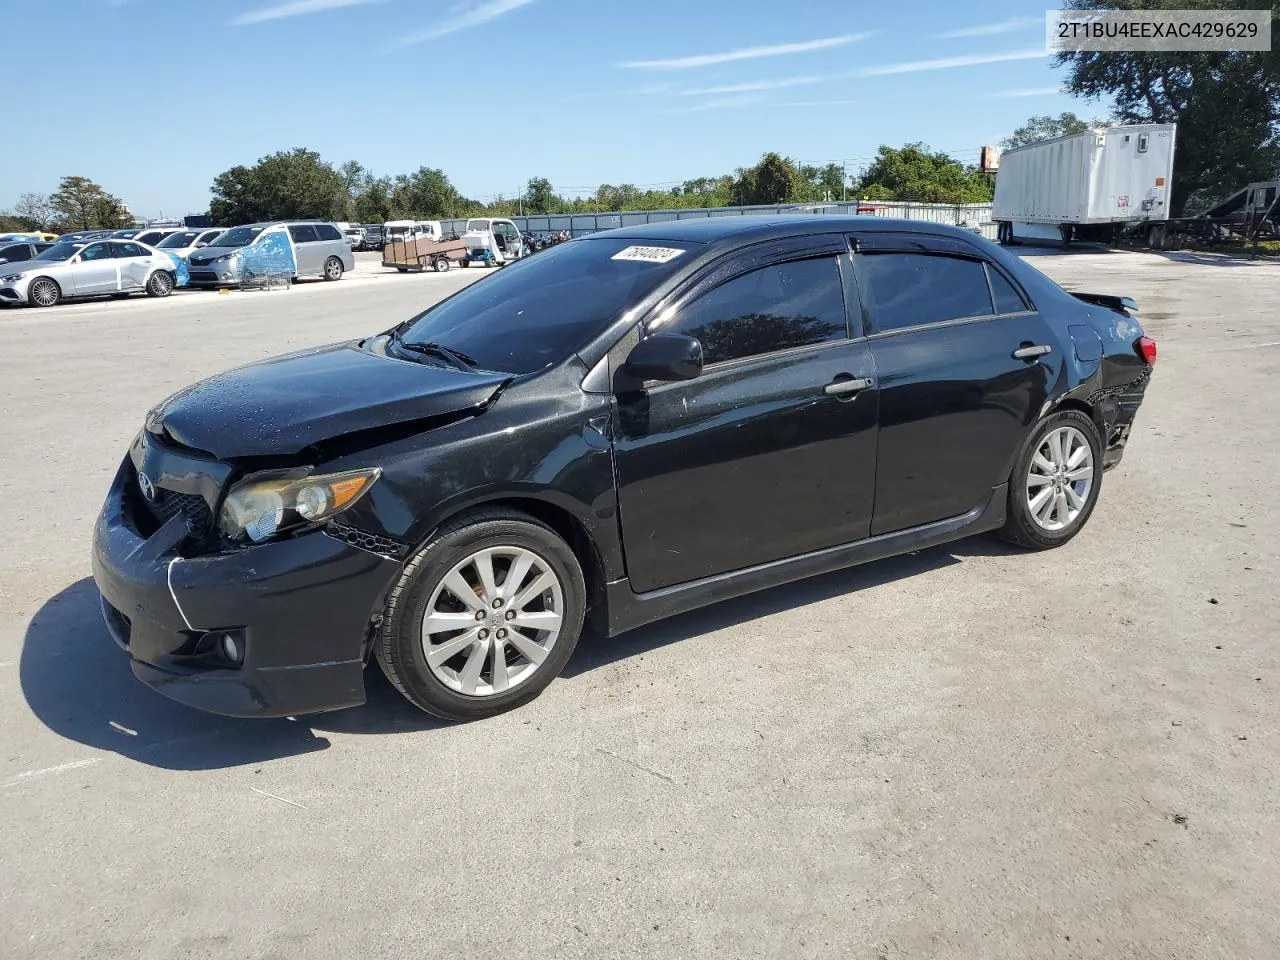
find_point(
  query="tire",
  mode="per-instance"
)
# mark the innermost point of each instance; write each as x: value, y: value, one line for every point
x: 160, y: 284
x: 465, y: 263
x: 1002, y: 234
x: 440, y: 686
x: 442, y: 265
x: 43, y: 292
x: 1065, y: 232
x: 333, y: 269
x: 1025, y: 523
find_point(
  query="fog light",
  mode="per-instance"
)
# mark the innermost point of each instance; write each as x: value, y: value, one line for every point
x: 231, y: 648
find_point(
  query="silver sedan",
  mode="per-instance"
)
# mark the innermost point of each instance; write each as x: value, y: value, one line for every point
x: 91, y: 268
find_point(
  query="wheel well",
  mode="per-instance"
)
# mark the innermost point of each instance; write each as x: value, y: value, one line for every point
x: 1073, y: 403
x: 571, y: 530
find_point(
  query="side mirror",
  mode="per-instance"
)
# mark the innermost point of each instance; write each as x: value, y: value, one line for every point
x: 202, y: 243
x: 665, y: 356
x: 76, y: 259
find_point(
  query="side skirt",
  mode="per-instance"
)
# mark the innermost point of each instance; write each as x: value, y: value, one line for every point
x: 628, y: 610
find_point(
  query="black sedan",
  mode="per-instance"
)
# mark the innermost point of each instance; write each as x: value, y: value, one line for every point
x: 22, y: 250
x: 627, y: 426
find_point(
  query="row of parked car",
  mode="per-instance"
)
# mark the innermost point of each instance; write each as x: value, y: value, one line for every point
x: 41, y: 272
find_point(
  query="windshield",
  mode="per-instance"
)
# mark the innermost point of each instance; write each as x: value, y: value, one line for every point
x: 536, y: 312
x: 184, y: 239
x: 238, y: 237
x: 59, y: 251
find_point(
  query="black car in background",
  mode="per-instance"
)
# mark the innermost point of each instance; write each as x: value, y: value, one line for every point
x: 372, y: 239
x: 624, y: 427
x: 23, y: 250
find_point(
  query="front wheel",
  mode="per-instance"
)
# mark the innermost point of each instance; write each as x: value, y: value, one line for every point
x: 333, y: 269
x: 160, y: 284
x: 1055, y: 482
x: 44, y: 292
x: 484, y: 618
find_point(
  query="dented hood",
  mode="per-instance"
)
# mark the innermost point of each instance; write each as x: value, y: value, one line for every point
x: 281, y: 406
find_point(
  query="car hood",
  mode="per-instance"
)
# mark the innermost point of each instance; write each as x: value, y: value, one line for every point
x: 205, y: 254
x: 281, y: 406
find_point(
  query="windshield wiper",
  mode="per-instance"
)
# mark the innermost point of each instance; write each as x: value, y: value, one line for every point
x: 458, y: 359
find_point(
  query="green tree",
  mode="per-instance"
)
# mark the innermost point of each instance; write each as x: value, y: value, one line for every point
x: 426, y: 194
x: 774, y: 179
x: 915, y: 173
x: 539, y: 197
x: 1045, y: 127
x: 373, y: 203
x: 1226, y: 104
x: 291, y: 184
x: 80, y: 204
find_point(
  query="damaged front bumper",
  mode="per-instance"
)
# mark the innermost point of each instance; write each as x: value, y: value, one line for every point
x: 299, y: 613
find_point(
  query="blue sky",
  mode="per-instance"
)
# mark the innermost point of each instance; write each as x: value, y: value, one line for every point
x: 153, y: 98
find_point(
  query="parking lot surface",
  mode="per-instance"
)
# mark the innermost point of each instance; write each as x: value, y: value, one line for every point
x: 968, y: 752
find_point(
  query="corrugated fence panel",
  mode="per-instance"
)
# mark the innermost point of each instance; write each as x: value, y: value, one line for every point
x: 970, y: 215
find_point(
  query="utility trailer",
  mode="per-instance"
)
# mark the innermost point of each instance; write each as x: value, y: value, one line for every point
x: 423, y: 253
x: 1245, y: 217
x: 1092, y: 185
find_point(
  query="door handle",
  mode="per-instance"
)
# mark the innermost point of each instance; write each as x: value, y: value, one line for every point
x: 1032, y: 351
x: 841, y: 388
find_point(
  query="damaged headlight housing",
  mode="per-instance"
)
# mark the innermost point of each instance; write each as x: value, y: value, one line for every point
x: 262, y: 505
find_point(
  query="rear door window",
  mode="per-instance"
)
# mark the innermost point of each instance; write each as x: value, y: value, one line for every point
x: 128, y: 250
x: 303, y: 233
x: 912, y: 289
x: 327, y: 231
x: 1007, y: 297
x: 773, y: 308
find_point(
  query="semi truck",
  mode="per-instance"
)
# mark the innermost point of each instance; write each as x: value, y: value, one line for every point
x: 1093, y: 185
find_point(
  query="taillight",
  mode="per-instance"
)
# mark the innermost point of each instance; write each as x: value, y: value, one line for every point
x: 1146, y: 348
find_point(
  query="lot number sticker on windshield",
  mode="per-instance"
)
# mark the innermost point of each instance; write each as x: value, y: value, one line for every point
x: 648, y: 254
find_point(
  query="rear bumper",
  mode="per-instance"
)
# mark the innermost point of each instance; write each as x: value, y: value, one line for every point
x: 301, y: 610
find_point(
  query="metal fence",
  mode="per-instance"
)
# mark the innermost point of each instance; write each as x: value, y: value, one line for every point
x: 974, y: 215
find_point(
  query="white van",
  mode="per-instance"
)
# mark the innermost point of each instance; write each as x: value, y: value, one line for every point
x: 401, y: 230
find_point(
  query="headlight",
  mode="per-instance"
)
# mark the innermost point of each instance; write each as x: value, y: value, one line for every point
x: 11, y: 278
x: 264, y: 504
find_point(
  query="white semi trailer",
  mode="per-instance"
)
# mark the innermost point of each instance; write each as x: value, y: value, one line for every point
x: 1090, y: 185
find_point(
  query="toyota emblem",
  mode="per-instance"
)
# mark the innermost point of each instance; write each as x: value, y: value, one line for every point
x: 146, y: 486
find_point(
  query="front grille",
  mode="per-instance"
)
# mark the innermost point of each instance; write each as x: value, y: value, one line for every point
x: 203, y: 276
x: 190, y: 506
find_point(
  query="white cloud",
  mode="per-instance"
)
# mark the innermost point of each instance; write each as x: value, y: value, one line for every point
x: 752, y: 87
x: 948, y: 63
x: 1027, y: 92
x: 294, y: 8
x: 473, y: 17
x: 1011, y: 25
x: 744, y: 53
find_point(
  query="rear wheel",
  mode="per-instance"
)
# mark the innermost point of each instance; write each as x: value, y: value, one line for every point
x: 442, y: 265
x: 484, y: 618
x: 333, y: 269
x: 1066, y: 234
x: 1055, y: 483
x: 44, y: 292
x: 160, y: 284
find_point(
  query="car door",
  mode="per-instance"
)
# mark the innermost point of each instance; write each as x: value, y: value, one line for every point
x: 306, y: 245
x: 134, y: 263
x: 95, y: 271
x: 770, y: 452
x: 964, y: 364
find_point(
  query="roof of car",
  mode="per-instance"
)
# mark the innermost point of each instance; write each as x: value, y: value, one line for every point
x: 768, y: 226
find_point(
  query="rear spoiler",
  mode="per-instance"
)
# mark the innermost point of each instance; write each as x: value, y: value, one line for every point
x: 1125, y: 305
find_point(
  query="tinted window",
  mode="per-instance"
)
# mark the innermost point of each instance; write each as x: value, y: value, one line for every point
x: 239, y: 236
x: 209, y: 236
x: 327, y: 231
x: 129, y: 250
x: 303, y: 233
x: 1008, y: 299
x: 19, y: 251
x: 908, y: 289
x: 59, y: 252
x: 176, y: 241
x: 538, y: 311
x: 774, y: 308
x: 96, y: 251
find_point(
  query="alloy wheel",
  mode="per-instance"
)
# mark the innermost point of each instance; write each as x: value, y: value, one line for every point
x: 44, y: 293
x: 1060, y: 479
x: 492, y: 621
x: 334, y: 269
